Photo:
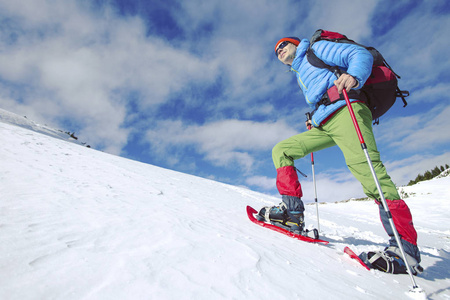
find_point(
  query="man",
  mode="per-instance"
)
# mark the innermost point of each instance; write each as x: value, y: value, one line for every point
x: 332, y: 125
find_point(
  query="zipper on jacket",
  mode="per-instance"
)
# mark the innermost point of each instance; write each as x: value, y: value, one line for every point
x: 301, y: 84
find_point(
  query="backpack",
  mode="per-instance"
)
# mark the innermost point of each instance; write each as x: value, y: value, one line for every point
x: 381, y: 88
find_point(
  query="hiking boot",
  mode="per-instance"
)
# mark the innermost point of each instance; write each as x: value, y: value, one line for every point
x: 390, y: 261
x: 416, y: 268
x: 279, y: 214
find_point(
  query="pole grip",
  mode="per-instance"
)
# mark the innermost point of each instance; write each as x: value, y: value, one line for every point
x: 308, y: 118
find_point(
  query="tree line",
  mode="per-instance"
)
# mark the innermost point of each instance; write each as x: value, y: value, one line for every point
x: 429, y: 174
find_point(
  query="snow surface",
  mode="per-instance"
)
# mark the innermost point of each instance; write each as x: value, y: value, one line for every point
x: 76, y: 223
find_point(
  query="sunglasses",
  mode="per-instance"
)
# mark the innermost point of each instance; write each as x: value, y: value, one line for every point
x: 281, y: 46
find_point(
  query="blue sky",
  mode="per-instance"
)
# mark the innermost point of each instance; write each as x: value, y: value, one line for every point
x: 194, y: 86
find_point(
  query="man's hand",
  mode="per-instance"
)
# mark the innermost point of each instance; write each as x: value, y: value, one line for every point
x: 345, y: 81
x: 308, y: 124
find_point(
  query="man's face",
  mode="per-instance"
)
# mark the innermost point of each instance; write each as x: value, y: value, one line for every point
x: 286, y: 54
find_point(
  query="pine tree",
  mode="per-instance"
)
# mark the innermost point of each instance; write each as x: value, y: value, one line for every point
x: 419, y: 178
x: 446, y: 166
x: 435, y: 172
x: 442, y: 169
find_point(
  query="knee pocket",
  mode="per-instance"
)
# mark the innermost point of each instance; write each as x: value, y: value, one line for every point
x: 289, y: 150
x: 362, y: 159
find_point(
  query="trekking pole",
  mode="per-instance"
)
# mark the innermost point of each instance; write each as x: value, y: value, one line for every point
x: 308, y: 118
x: 416, y: 288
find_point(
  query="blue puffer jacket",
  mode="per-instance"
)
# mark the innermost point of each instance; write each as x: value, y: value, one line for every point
x: 314, y: 82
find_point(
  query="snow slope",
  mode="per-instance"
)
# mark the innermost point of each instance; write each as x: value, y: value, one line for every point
x: 76, y: 223
x: 24, y: 122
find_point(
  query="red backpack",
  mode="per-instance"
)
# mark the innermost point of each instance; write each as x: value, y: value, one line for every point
x: 381, y: 88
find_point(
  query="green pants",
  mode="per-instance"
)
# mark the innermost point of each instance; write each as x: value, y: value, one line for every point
x: 340, y: 131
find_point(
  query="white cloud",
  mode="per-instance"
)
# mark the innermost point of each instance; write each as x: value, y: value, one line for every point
x: 430, y: 93
x: 331, y: 190
x: 427, y: 131
x: 263, y: 182
x: 84, y: 64
x: 347, y: 16
x: 222, y: 143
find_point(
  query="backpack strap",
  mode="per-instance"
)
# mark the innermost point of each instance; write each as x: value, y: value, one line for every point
x: 332, y: 94
x: 317, y: 62
x: 402, y: 94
